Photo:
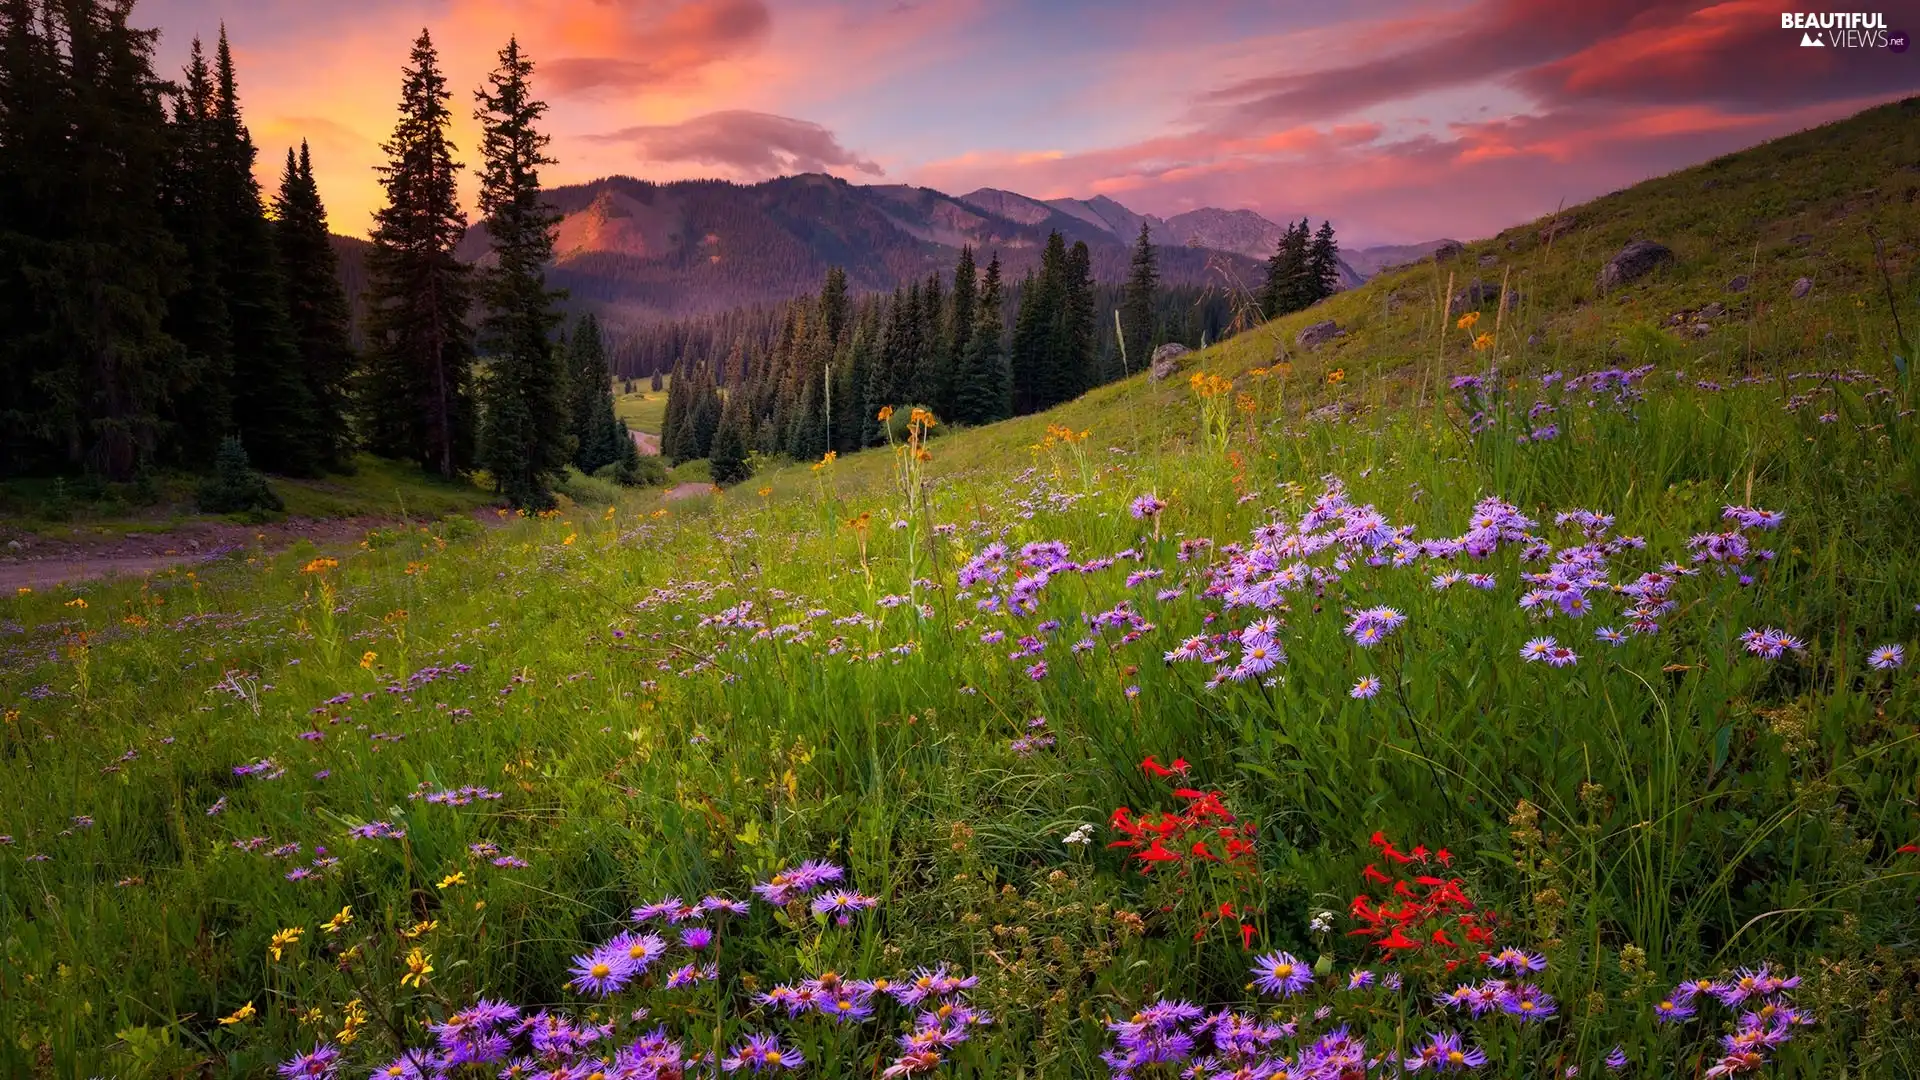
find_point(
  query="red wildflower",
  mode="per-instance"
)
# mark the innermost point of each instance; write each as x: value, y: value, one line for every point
x: 1154, y: 768
x: 1372, y: 873
x: 1246, y: 935
x: 1397, y: 940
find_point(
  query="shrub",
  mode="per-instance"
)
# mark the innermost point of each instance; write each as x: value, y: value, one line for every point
x: 235, y: 486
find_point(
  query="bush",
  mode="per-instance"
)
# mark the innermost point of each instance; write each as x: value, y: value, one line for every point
x: 235, y: 486
x: 587, y: 490
x: 635, y: 471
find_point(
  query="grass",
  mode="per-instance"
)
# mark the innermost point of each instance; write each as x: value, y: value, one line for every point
x: 376, y: 487
x: 644, y: 409
x: 684, y: 699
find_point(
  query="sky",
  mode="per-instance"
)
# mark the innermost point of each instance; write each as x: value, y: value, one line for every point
x: 1399, y: 120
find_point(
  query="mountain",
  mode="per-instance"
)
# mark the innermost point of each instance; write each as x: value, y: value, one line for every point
x: 637, y: 251
x: 1370, y: 261
x: 1238, y: 232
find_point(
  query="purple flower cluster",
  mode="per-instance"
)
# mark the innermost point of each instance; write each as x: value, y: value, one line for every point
x: 796, y: 882
x: 1766, y: 1017
x: 1227, y: 1045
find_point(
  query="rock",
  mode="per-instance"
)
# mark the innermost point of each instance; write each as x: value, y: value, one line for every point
x: 13, y: 545
x: 1713, y: 310
x: 1556, y: 227
x: 1803, y: 238
x: 1700, y: 329
x: 1489, y: 260
x: 1447, y: 251
x: 1477, y: 295
x: 1166, y: 360
x: 1802, y: 287
x: 1319, y: 333
x: 1738, y: 284
x: 1634, y: 261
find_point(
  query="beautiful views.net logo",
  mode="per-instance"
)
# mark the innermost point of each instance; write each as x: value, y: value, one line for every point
x: 1844, y: 30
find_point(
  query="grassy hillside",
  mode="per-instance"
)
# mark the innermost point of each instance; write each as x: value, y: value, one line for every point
x: 644, y: 409
x: 1299, y: 685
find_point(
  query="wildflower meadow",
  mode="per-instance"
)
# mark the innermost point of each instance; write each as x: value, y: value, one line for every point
x: 1349, y: 743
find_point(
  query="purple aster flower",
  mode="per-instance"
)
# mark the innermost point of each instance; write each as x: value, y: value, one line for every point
x: 1691, y: 989
x: 1528, y: 1002
x: 1445, y: 1051
x: 1887, y: 657
x: 1516, y: 961
x: 762, y: 1053
x: 696, y: 937
x: 602, y: 972
x: 1670, y: 1011
x: 410, y: 1065
x: 662, y: 910
x: 1616, y: 1058
x: 1365, y: 688
x: 1611, y: 636
x: 1281, y: 974
x: 1038, y: 671
x: 1360, y: 980
x: 723, y: 905
x: 843, y: 903
x: 321, y: 1063
x: 1146, y: 506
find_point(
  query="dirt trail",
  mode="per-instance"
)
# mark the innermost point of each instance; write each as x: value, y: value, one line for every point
x: 687, y: 491
x: 35, y: 560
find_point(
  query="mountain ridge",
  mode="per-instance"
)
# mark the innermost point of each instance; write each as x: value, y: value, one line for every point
x: 637, y: 251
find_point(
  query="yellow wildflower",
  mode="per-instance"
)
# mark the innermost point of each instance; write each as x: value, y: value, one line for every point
x: 356, y: 1017
x: 320, y: 566
x: 765, y: 491
x: 24, y: 590
x: 424, y: 926
x: 78, y: 602
x: 1483, y: 342
x: 458, y: 877
x: 284, y: 938
x: 568, y: 542
x: 1337, y: 375
x: 419, y: 966
x: 339, y: 922
x: 885, y: 414
x: 241, y: 1015
x: 1466, y: 321
x: 367, y: 658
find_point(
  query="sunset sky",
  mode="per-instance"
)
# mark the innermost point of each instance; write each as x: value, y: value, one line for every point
x: 1400, y: 120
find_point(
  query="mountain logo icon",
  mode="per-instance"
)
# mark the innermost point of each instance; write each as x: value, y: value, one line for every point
x: 1813, y: 40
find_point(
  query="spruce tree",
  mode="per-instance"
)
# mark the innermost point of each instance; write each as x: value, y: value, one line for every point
x: 1136, y: 308
x: 272, y: 406
x: 86, y: 261
x: 653, y: 385
x: 523, y: 435
x: 728, y: 458
x: 1287, y: 288
x: 316, y: 305
x: 933, y: 372
x: 596, y: 430
x: 676, y: 413
x: 200, y: 396
x: 1323, y: 264
x: 1040, y: 352
x: 418, y: 401
x: 1075, y: 330
x: 961, y: 316
x: 983, y: 391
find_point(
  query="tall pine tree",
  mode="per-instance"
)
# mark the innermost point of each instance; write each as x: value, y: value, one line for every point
x: 316, y: 305
x: 596, y: 429
x: 1323, y: 263
x: 523, y: 439
x: 1136, y: 306
x: 983, y: 390
x: 86, y: 261
x: 959, y: 330
x: 418, y: 401
x: 272, y: 406
x: 200, y: 395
